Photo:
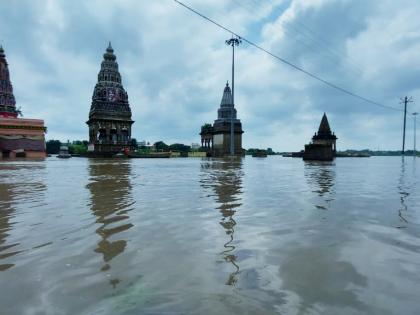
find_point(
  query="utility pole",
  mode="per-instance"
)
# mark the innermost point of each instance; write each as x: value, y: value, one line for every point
x: 415, y: 133
x: 233, y: 42
x: 406, y: 100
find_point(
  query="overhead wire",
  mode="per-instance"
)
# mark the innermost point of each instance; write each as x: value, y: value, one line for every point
x: 300, y: 69
x: 312, y: 41
x: 316, y: 38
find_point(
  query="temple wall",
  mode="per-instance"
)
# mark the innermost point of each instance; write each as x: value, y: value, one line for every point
x: 21, y: 132
x: 110, y: 148
x: 222, y: 148
x: 27, y: 154
x: 22, y: 136
x: 318, y: 152
x: 35, y: 154
x: 22, y: 122
x: 22, y: 144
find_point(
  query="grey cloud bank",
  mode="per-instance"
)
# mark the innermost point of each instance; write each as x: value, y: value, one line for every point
x: 174, y: 66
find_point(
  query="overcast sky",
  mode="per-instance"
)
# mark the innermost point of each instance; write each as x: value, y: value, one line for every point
x: 174, y: 66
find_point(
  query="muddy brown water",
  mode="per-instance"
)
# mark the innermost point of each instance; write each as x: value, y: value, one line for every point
x: 202, y: 236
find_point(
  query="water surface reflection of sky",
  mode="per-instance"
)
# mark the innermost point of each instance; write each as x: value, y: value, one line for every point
x: 210, y: 236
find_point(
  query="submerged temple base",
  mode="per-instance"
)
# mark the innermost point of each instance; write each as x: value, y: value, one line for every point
x: 318, y: 152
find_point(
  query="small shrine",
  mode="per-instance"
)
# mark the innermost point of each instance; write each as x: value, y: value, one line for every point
x: 110, y: 114
x: 215, y: 139
x: 19, y: 137
x: 323, y: 145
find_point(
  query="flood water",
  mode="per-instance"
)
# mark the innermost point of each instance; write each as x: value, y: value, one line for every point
x: 202, y: 236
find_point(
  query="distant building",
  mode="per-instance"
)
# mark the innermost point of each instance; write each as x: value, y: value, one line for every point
x: 323, y: 146
x: 110, y: 114
x: 19, y: 137
x: 215, y: 139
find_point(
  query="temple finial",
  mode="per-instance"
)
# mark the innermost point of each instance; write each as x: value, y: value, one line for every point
x: 110, y: 47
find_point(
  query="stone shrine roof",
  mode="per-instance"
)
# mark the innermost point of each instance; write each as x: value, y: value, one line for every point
x: 227, y: 108
x: 324, y: 130
x: 227, y: 96
x: 324, y: 127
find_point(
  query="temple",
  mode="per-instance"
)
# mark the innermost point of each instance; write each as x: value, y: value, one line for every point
x: 19, y: 137
x: 323, y: 146
x: 110, y: 114
x: 215, y: 139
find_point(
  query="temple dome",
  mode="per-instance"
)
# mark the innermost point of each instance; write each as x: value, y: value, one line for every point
x: 109, y: 54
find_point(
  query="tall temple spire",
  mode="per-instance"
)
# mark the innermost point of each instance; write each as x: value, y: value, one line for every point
x: 110, y: 114
x: 227, y: 97
x: 7, y: 99
x: 224, y: 113
x: 324, y: 127
x: 19, y: 137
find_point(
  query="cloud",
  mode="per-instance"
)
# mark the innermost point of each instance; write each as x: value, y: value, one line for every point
x: 174, y: 66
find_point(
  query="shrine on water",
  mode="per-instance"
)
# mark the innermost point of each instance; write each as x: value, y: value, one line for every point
x: 110, y: 114
x: 323, y: 146
x: 19, y: 137
x: 215, y: 139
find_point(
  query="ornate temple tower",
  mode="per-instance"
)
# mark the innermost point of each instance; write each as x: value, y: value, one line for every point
x: 19, y: 137
x: 221, y: 127
x: 110, y: 114
x: 7, y: 99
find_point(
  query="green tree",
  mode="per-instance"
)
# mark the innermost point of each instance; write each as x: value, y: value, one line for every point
x: 161, y: 146
x: 53, y: 146
x: 134, y: 143
x: 180, y: 147
x: 77, y: 149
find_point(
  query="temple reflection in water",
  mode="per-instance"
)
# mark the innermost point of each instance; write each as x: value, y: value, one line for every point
x: 10, y: 195
x: 6, y: 214
x: 111, y: 200
x: 321, y: 178
x: 225, y: 178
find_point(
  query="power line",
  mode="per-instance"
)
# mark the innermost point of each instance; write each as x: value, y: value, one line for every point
x: 309, y: 33
x: 322, y: 50
x: 314, y: 76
